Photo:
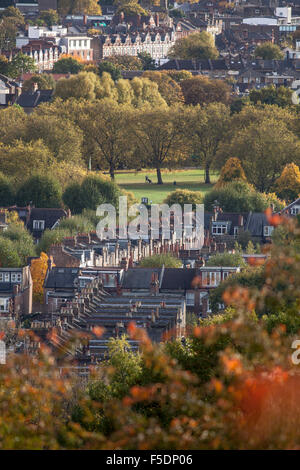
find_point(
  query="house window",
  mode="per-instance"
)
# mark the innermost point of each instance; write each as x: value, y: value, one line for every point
x: 4, y: 304
x: 294, y: 210
x: 219, y: 229
x: 190, y: 298
x: 4, y: 277
x: 38, y: 225
x: 214, y: 278
x: 16, y: 277
x: 268, y: 229
x: 235, y: 231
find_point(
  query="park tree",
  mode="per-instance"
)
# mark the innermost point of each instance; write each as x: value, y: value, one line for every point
x: 194, y: 46
x: 232, y: 170
x: 130, y: 8
x: 63, y: 138
x: 268, y: 51
x: 45, y: 81
x: 38, y: 270
x: 80, y: 86
x: 96, y: 190
x: 207, y: 128
x: 287, y: 186
x: 167, y: 87
x: 159, y: 136
x: 184, y: 196
x: 264, y: 151
x: 12, y: 124
x: 49, y: 17
x: 105, y: 123
x: 158, y: 261
x: 280, y: 96
x: 203, y: 90
x: 110, y: 67
x: 72, y: 198
x: 7, y: 192
x: 42, y: 191
x: 26, y: 157
x: 67, y: 65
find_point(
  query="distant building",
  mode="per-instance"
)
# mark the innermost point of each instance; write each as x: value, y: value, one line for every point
x: 15, y: 292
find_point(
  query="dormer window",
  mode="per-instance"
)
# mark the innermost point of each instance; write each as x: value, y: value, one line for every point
x: 219, y: 228
x: 38, y: 225
x: 294, y: 210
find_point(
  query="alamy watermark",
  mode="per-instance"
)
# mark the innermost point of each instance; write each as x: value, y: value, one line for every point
x: 156, y: 222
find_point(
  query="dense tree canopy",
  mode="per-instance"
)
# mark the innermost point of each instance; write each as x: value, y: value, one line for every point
x: 195, y: 46
x: 203, y: 90
x: 268, y: 51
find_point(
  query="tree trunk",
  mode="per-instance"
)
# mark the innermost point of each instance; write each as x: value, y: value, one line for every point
x: 159, y: 178
x: 112, y: 172
x: 207, y: 175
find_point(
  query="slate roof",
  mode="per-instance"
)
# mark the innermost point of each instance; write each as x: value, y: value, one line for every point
x: 255, y: 223
x: 50, y: 217
x: 139, y: 278
x: 33, y: 99
x: 61, y: 278
x: 178, y: 279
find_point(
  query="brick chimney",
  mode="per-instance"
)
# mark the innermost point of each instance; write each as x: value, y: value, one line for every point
x: 154, y: 285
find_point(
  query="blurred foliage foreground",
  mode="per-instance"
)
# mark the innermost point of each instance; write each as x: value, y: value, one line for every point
x: 230, y: 385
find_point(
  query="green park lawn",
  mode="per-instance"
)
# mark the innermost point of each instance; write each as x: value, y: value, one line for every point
x: 192, y: 179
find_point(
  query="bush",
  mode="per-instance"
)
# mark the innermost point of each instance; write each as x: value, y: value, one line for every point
x: 42, y: 191
x: 184, y: 196
x: 67, y: 65
x: 157, y: 261
x: 226, y: 259
x: 239, y: 196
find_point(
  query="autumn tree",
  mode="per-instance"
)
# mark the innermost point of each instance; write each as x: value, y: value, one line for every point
x: 159, y: 136
x: 82, y: 85
x: 167, y: 87
x: 268, y: 51
x: 38, y: 269
x: 126, y: 62
x: 264, y: 151
x: 25, y: 157
x: 22, y: 240
x: 202, y: 90
x: 70, y: 7
x: 232, y: 170
x: 178, y: 75
x: 207, y: 128
x: 194, y: 46
x: 287, y: 186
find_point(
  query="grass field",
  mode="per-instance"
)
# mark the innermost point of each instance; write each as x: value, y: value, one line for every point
x: 192, y: 179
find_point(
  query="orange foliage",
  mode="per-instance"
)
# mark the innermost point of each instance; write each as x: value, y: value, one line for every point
x: 38, y: 271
